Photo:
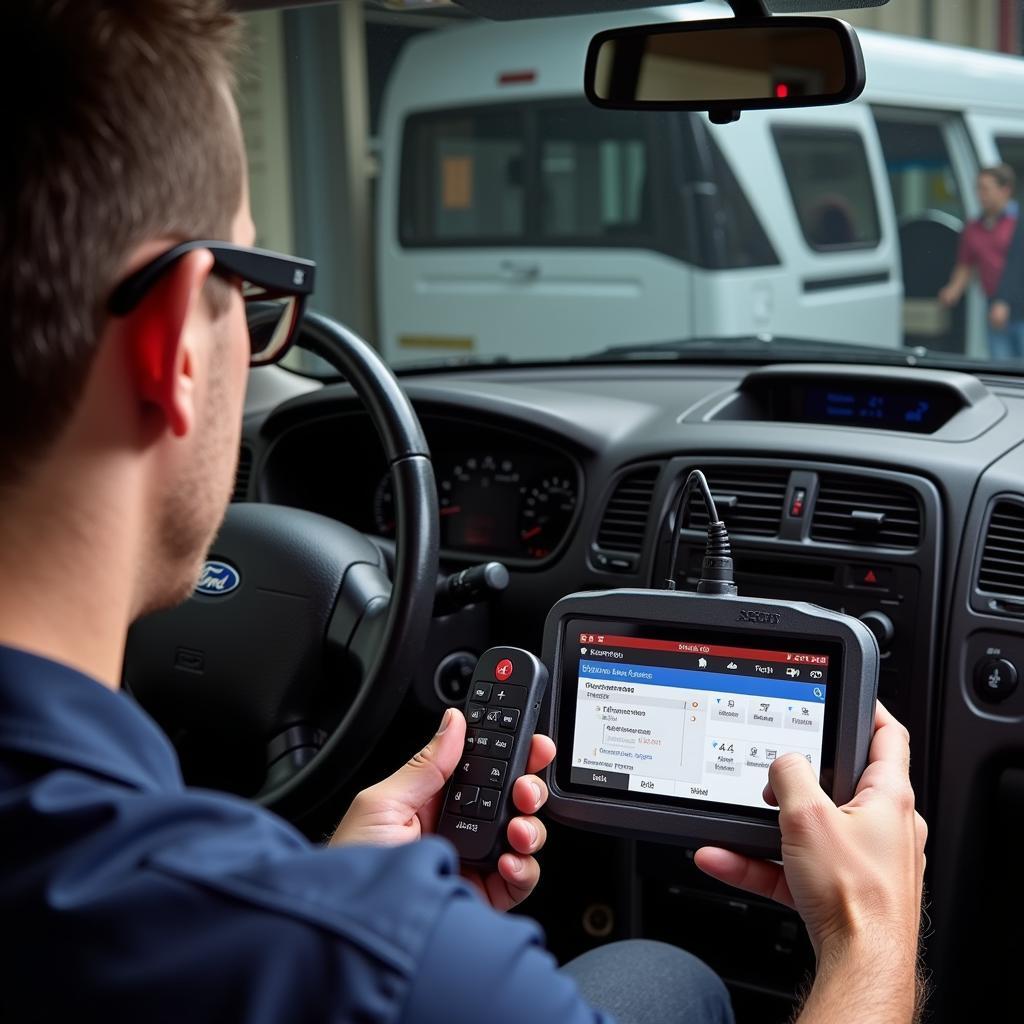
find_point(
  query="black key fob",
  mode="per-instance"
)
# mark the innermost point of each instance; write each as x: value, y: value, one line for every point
x: 501, y: 714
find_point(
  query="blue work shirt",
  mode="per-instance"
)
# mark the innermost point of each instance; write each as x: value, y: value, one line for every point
x: 125, y: 896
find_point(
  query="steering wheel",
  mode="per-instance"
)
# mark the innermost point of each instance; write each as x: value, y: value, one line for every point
x: 296, y: 650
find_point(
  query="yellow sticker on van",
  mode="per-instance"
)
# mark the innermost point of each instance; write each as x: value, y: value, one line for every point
x: 453, y: 343
x: 457, y: 182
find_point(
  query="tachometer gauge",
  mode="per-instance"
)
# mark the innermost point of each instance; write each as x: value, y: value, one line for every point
x: 545, y: 514
x: 384, y: 504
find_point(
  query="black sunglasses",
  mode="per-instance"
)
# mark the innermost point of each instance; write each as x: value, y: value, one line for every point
x: 266, y: 277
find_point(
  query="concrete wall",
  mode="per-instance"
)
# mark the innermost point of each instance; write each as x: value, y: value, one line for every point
x: 262, y: 106
x: 962, y: 22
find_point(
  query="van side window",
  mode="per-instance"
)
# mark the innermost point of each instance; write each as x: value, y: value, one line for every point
x: 463, y: 178
x: 920, y: 166
x: 594, y: 175
x: 543, y: 174
x: 1011, y: 151
x: 830, y: 183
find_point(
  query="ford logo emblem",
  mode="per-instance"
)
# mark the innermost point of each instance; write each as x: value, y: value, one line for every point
x: 217, y: 579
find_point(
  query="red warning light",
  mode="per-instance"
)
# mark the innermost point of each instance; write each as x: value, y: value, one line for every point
x: 781, y: 90
x: 870, y: 576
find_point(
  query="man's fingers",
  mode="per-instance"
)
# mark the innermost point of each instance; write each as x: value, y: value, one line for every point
x: 514, y: 880
x: 542, y: 753
x: 761, y: 877
x: 529, y: 794
x: 889, y: 754
x: 527, y: 834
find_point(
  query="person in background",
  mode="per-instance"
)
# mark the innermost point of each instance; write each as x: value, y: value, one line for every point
x: 983, y: 247
x: 1006, y: 315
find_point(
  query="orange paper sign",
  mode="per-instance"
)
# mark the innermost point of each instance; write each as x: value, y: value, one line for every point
x: 457, y: 182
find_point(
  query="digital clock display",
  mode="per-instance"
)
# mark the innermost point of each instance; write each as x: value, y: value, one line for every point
x: 870, y: 407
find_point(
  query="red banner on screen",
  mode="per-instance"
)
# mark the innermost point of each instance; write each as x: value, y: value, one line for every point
x: 715, y: 650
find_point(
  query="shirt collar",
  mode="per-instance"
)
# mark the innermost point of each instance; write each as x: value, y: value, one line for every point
x: 991, y: 222
x: 55, y: 712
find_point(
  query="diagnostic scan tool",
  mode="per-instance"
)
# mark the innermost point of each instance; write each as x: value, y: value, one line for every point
x: 668, y: 708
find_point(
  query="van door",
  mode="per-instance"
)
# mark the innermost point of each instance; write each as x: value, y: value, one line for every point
x: 816, y: 181
x: 531, y: 231
x: 931, y: 174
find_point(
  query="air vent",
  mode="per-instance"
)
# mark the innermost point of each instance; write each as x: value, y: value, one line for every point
x: 624, y: 523
x: 865, y: 511
x: 1002, y: 557
x: 242, y: 474
x: 749, y: 500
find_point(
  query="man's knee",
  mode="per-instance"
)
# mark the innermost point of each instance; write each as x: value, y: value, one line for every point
x: 640, y: 982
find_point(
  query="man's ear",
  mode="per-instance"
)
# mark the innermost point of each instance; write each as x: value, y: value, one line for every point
x: 161, y: 345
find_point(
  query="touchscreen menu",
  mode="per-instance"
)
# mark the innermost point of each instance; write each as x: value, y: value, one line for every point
x: 690, y: 719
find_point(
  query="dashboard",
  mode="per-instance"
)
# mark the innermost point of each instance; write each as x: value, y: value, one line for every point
x: 502, y: 494
x: 895, y: 495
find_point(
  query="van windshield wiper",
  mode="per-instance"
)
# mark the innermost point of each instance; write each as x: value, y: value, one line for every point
x: 761, y: 347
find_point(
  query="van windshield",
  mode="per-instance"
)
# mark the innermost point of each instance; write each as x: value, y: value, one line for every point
x: 466, y: 204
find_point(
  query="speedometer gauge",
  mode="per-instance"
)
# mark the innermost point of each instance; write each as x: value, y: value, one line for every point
x: 493, y: 505
x: 545, y: 515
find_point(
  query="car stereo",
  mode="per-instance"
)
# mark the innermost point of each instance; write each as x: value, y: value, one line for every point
x: 668, y: 709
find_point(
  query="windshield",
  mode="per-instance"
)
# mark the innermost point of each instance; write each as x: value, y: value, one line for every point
x: 466, y: 204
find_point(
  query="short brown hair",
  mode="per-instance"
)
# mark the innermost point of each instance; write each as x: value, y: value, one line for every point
x: 1002, y: 174
x: 116, y: 131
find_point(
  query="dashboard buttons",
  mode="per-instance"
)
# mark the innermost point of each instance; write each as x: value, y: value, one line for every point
x: 994, y: 679
x: 881, y: 625
x: 868, y: 577
x: 798, y: 502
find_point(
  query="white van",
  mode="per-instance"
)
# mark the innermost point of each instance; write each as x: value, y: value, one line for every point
x: 516, y: 219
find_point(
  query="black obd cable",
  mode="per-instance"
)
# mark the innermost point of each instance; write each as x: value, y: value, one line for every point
x: 716, y: 573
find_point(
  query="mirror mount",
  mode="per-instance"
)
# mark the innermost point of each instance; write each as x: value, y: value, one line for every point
x: 723, y: 115
x: 749, y: 8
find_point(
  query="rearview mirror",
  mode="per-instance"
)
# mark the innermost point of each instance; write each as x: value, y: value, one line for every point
x: 726, y: 66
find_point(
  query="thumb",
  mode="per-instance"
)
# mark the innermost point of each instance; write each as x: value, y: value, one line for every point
x: 425, y: 774
x: 793, y: 782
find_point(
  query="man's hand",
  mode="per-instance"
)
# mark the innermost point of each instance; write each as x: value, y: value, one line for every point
x: 854, y: 873
x: 407, y: 805
x: 956, y: 286
x: 999, y: 315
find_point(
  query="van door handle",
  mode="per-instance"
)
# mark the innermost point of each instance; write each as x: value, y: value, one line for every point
x: 517, y: 270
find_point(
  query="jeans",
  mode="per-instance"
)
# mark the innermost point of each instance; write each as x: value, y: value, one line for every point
x: 1007, y: 343
x: 644, y: 982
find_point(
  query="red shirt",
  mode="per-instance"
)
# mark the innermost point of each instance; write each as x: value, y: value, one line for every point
x: 985, y: 247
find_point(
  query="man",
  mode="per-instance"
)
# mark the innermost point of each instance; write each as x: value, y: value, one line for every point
x: 125, y: 896
x: 1007, y: 312
x: 983, y: 247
